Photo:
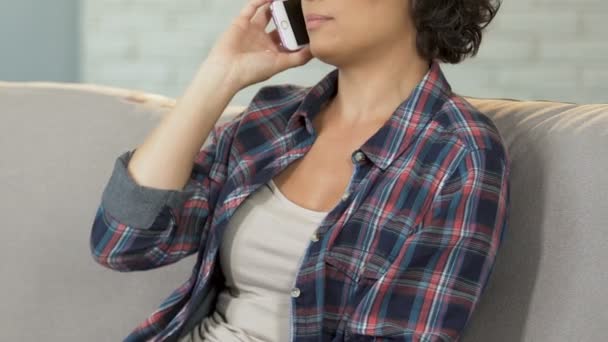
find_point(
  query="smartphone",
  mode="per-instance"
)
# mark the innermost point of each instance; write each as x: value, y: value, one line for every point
x: 291, y: 25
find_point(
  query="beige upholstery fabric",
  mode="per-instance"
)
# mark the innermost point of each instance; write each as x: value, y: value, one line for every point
x: 58, y: 144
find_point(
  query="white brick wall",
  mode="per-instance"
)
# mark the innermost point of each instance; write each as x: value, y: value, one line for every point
x: 534, y: 49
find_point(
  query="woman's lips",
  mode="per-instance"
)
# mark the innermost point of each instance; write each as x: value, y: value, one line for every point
x: 313, y: 16
x: 313, y: 20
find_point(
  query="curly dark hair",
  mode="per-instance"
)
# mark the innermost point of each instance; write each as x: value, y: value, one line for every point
x: 450, y: 30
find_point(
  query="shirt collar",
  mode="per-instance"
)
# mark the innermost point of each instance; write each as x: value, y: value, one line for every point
x: 399, y: 130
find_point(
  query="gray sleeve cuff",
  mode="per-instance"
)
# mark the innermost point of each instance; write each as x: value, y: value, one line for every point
x: 136, y: 205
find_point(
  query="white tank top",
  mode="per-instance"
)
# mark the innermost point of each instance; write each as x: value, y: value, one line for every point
x: 259, y: 255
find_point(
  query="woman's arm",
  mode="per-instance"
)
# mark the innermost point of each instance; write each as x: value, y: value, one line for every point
x: 155, y: 206
x: 433, y: 287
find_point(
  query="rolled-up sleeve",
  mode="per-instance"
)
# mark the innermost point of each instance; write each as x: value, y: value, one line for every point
x: 138, y: 227
x: 138, y: 205
x: 431, y: 291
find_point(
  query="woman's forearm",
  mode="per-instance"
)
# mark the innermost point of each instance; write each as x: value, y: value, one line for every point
x: 165, y: 159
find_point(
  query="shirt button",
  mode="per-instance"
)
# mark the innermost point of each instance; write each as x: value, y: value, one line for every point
x: 359, y: 156
x: 345, y: 196
x: 295, y: 292
x: 315, y: 237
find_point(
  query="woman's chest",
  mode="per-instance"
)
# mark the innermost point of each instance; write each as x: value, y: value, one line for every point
x: 372, y: 206
x: 370, y: 210
x: 321, y: 177
x: 318, y: 180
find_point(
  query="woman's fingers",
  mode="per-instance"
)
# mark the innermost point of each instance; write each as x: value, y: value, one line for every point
x: 263, y: 16
x: 295, y: 58
x: 276, y: 39
x: 251, y: 8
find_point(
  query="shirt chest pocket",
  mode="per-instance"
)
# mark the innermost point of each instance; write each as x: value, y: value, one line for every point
x: 362, y: 250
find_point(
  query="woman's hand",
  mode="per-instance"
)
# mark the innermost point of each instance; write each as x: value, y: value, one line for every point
x: 249, y: 53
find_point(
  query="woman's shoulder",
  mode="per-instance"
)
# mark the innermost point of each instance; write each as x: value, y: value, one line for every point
x: 279, y: 92
x: 266, y: 114
x: 271, y: 107
x: 267, y: 101
x: 476, y: 130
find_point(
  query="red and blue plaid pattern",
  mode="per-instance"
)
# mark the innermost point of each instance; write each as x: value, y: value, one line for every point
x: 405, y: 256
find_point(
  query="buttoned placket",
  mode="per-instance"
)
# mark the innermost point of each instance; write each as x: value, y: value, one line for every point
x: 357, y: 158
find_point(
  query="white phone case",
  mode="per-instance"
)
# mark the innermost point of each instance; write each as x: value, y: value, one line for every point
x: 281, y: 21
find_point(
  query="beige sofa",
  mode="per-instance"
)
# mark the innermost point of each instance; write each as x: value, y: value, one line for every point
x: 58, y: 144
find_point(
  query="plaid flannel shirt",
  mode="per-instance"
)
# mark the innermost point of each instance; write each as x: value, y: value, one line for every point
x: 404, y: 256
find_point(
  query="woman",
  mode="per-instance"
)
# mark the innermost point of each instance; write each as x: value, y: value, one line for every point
x: 368, y: 207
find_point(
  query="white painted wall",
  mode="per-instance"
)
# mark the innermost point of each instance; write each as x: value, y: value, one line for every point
x: 534, y: 49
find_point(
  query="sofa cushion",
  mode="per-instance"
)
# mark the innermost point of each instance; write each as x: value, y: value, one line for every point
x: 59, y: 143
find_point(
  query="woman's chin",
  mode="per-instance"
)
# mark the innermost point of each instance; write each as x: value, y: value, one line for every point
x: 323, y: 52
x: 320, y: 48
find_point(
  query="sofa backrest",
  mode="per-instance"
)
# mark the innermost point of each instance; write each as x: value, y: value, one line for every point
x: 59, y: 142
x: 551, y: 275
